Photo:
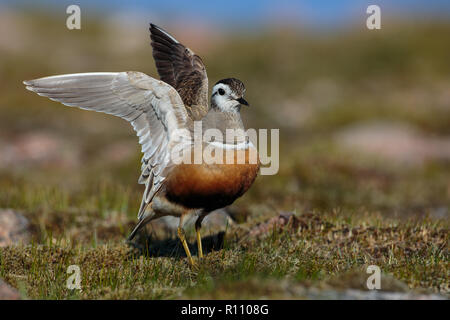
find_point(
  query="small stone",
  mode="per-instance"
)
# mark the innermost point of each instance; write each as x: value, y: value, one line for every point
x: 218, y: 219
x: 119, y: 152
x: 8, y: 293
x: 36, y: 148
x: 398, y: 143
x: 14, y: 228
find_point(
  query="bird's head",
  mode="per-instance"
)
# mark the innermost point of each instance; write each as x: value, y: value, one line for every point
x: 228, y: 95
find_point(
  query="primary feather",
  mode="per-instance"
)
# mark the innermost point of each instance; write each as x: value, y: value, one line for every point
x: 154, y: 109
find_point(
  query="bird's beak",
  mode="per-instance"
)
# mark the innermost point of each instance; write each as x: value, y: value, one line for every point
x: 243, y: 101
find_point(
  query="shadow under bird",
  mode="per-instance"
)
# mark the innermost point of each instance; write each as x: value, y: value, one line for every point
x: 159, y: 110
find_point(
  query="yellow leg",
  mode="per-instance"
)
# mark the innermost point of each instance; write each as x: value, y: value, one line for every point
x: 199, y: 243
x: 185, y: 245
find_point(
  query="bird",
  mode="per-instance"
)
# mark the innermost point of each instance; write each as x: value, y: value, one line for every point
x: 164, y: 113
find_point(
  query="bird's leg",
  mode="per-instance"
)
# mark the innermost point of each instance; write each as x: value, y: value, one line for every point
x: 182, y: 237
x: 198, y: 225
x: 199, y: 243
x: 185, y: 245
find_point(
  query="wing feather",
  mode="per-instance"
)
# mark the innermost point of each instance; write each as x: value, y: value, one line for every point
x: 180, y: 67
x: 154, y: 109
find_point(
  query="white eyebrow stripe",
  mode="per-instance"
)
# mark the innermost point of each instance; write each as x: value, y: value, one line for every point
x: 232, y: 146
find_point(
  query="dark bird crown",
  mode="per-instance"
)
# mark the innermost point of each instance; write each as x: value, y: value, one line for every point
x: 235, y: 85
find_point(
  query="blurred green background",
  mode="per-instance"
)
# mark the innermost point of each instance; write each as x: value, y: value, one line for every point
x: 364, y: 115
x: 364, y: 119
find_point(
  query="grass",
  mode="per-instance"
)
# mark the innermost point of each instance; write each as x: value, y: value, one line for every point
x: 352, y: 210
x: 317, y: 254
x: 342, y: 228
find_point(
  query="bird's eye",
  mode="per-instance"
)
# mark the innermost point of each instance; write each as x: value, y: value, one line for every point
x: 221, y: 91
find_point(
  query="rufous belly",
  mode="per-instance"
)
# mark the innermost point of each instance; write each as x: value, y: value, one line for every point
x: 212, y: 186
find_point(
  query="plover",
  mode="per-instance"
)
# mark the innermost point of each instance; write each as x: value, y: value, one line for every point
x: 164, y: 113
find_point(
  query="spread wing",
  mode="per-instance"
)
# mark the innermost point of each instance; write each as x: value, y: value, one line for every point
x: 154, y: 109
x: 180, y: 67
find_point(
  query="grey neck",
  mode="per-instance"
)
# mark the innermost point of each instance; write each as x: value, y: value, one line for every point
x: 220, y: 120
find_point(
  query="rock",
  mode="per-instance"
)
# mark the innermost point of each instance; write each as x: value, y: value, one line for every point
x: 37, y: 149
x: 399, y: 143
x: 357, y: 280
x: 352, y: 294
x: 218, y: 219
x: 8, y: 293
x: 14, y: 228
x: 119, y: 152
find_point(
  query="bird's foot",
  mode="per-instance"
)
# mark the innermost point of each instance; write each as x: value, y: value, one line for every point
x: 182, y: 237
